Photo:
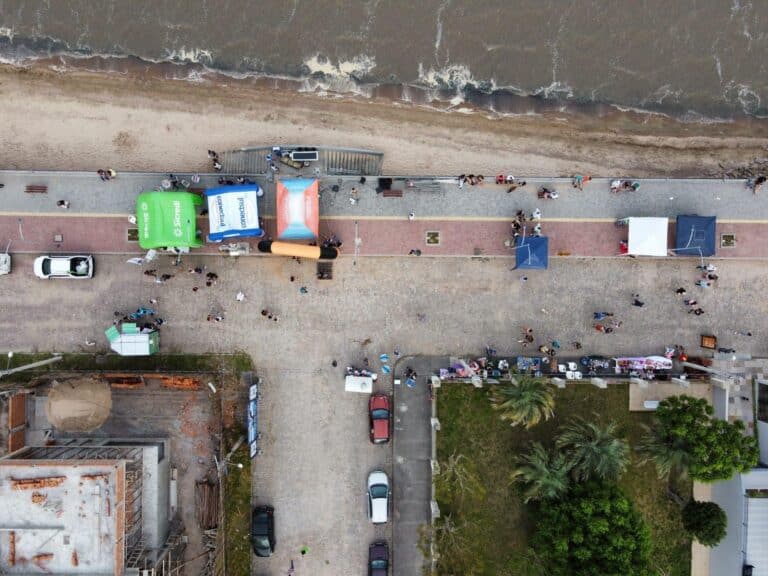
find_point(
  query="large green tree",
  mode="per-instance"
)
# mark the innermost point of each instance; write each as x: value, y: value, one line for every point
x: 541, y: 474
x: 705, y: 521
x: 525, y: 401
x: 592, y: 450
x: 593, y: 531
x: 686, y: 434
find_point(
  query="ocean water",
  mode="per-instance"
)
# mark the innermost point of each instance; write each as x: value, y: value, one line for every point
x: 697, y: 60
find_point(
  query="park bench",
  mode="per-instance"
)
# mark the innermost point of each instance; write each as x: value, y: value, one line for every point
x: 392, y: 193
x: 36, y: 189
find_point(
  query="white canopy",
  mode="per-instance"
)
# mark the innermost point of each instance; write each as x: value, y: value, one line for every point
x: 648, y: 236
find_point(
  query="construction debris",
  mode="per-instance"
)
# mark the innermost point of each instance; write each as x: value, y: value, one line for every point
x: 12, y: 548
x: 37, y: 483
x: 40, y: 560
x: 39, y: 497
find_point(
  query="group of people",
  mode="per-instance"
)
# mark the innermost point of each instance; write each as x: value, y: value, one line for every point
x: 214, y: 156
x: 624, y: 186
x: 756, y: 183
x: 518, y: 222
x: 547, y: 193
x: 107, y: 174
x: 605, y: 322
x: 470, y: 179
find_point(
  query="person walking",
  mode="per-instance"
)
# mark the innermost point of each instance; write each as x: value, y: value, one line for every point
x: 636, y: 301
x: 680, y: 291
x: 63, y: 204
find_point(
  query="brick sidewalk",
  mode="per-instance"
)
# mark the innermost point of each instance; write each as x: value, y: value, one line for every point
x: 380, y: 237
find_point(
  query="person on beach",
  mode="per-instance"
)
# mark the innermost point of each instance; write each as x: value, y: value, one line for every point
x: 636, y: 301
x: 102, y: 175
x: 680, y: 291
x: 111, y: 174
x: 536, y: 214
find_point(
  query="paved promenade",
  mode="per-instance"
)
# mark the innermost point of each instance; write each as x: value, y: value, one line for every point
x: 473, y: 220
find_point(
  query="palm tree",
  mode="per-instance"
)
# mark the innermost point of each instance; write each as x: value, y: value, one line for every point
x: 525, y: 401
x: 543, y: 476
x: 593, y: 451
x: 667, y: 452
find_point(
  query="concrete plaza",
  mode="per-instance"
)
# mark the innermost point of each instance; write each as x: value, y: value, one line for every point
x: 316, y: 452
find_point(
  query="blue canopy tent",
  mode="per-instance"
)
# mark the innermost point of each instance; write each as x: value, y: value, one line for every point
x: 695, y: 235
x: 531, y: 253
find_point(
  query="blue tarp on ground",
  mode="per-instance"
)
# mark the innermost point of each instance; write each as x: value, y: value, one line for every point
x: 695, y: 235
x: 531, y: 253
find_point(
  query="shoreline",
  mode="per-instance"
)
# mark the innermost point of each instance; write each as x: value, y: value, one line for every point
x: 86, y: 120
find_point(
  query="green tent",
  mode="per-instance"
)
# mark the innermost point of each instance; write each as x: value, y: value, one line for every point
x: 168, y: 220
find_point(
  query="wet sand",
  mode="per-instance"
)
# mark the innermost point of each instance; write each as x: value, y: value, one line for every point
x: 87, y: 121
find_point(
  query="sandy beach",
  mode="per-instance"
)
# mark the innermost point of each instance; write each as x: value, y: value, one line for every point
x: 86, y: 121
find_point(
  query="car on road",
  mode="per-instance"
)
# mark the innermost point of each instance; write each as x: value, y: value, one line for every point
x: 263, y: 531
x: 380, y: 414
x: 62, y: 266
x: 378, y: 497
x: 378, y: 559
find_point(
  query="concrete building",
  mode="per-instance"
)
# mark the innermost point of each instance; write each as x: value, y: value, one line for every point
x: 744, y: 497
x: 88, y: 506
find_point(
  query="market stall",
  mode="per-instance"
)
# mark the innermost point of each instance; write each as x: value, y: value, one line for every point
x: 647, y: 236
x: 233, y: 212
x: 531, y: 252
x: 168, y: 220
x: 695, y: 235
x: 298, y: 209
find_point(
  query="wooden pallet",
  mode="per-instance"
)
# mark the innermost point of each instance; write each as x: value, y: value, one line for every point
x: 392, y: 193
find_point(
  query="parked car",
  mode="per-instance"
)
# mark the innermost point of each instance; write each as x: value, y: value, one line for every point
x: 380, y: 413
x: 263, y: 531
x: 378, y: 497
x: 61, y: 266
x: 378, y: 559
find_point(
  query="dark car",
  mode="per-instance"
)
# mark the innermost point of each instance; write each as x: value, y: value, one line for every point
x: 380, y: 413
x: 263, y: 531
x: 378, y: 559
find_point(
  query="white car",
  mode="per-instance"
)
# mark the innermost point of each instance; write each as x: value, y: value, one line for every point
x: 378, y: 497
x: 62, y: 266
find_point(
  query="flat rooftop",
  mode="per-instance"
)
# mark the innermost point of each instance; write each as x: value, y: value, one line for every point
x: 61, y: 517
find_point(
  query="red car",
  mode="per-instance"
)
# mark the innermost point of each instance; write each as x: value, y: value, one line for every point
x: 380, y: 412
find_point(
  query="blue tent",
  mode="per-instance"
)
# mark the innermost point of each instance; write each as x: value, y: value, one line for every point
x: 695, y: 235
x: 233, y: 212
x: 531, y: 252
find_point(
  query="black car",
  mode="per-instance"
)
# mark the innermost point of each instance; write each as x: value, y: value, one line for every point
x: 378, y: 559
x: 263, y: 531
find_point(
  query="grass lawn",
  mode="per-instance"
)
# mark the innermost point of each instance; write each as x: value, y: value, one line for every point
x: 491, y: 536
x: 237, y: 509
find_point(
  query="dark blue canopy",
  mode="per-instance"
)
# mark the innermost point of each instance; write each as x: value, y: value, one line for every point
x: 695, y: 235
x: 532, y: 252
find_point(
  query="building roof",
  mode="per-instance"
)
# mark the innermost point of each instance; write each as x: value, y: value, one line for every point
x: 62, y: 516
x: 757, y: 535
